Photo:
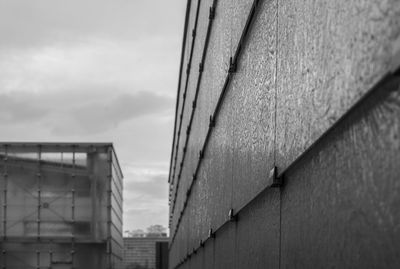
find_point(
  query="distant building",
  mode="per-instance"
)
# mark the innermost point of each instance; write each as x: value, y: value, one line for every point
x: 61, y: 206
x: 150, y: 252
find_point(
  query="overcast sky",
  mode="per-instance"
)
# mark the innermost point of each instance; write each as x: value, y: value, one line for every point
x: 101, y: 71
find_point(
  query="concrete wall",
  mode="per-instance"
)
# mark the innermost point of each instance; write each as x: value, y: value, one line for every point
x: 315, y: 94
x: 140, y: 252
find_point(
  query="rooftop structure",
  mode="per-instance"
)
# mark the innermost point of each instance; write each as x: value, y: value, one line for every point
x: 61, y: 206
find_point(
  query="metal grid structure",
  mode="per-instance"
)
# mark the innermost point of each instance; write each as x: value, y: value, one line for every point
x: 286, y: 137
x: 61, y: 206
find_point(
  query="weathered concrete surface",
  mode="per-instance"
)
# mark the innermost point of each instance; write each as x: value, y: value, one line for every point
x: 257, y: 233
x: 340, y: 206
x: 304, y: 65
x: 330, y: 53
x: 253, y: 99
x: 225, y: 248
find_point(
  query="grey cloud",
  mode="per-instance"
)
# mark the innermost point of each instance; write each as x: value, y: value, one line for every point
x: 155, y: 188
x: 85, y: 112
x: 42, y: 22
x: 14, y: 110
x: 100, y: 116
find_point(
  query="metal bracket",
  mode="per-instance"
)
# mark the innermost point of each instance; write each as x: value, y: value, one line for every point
x: 232, y: 66
x: 188, y: 192
x: 212, y: 122
x: 273, y: 178
x: 201, y: 67
x: 211, y: 16
x: 211, y: 234
x: 232, y: 217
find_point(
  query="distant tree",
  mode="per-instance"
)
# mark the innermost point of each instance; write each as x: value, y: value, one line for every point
x: 156, y: 230
x: 135, y: 233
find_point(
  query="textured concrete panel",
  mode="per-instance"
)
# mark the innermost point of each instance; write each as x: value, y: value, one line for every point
x: 340, y: 205
x: 204, y: 208
x: 215, y: 66
x: 225, y: 247
x: 219, y: 157
x: 257, y: 233
x: 183, y: 77
x: 252, y: 94
x: 240, y: 10
x: 198, y: 49
x: 198, y: 259
x: 213, y: 77
x: 209, y: 255
x: 330, y: 53
x: 196, y: 218
x: 173, y: 256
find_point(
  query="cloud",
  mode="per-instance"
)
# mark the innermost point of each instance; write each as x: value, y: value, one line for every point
x: 69, y: 111
x: 153, y: 188
x: 97, y: 71
x: 101, y: 116
x: 146, y: 193
x: 13, y: 110
x: 26, y: 23
x: 150, y: 64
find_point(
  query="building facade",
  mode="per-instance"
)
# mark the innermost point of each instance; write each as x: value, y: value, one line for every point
x: 61, y: 206
x: 287, y: 140
x: 145, y: 252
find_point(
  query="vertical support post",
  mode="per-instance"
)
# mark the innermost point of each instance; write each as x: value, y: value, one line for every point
x: 73, y: 190
x: 109, y: 193
x: 39, y: 189
x: 5, y: 193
